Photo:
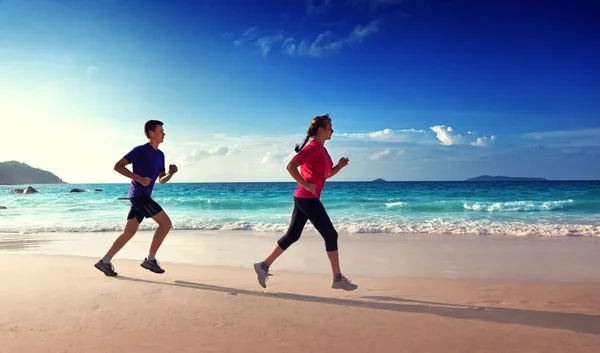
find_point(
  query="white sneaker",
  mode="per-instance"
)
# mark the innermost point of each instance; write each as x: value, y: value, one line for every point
x: 344, y: 284
x: 261, y: 275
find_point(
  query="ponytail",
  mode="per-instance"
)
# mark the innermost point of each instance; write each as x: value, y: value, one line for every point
x: 298, y: 147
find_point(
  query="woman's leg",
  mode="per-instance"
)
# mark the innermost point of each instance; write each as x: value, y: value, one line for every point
x: 292, y: 235
x: 314, y: 209
x: 319, y: 218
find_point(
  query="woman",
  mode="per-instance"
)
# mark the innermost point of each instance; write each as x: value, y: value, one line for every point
x: 316, y: 166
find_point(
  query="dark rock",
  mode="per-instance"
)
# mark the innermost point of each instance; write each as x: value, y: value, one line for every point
x: 16, y: 191
x: 30, y: 190
x: 77, y: 190
x: 2, y: 207
x: 99, y: 190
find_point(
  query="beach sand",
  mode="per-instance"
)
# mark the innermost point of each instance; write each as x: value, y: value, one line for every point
x: 60, y: 303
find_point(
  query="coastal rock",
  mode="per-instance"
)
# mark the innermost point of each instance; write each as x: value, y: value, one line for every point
x: 30, y: 190
x: 123, y: 198
x: 27, y: 190
x: 99, y: 190
x: 77, y: 190
x: 2, y: 207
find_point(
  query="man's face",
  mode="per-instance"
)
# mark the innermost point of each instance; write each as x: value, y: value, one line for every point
x: 158, y: 135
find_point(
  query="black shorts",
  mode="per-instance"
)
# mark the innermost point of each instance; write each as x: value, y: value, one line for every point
x: 143, y: 207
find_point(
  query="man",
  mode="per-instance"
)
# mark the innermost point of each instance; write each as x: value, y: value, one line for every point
x: 148, y: 165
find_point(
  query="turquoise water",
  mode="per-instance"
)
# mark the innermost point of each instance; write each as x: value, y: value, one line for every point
x: 557, y: 208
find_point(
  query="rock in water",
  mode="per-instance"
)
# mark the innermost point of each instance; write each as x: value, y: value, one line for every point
x: 30, y: 190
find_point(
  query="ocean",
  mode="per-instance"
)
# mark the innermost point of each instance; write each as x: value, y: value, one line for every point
x: 548, y: 208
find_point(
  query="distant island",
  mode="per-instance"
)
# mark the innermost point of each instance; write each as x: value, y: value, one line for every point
x: 17, y: 173
x: 378, y: 180
x: 504, y: 178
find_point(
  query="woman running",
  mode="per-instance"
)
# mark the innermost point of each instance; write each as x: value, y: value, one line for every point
x: 316, y: 166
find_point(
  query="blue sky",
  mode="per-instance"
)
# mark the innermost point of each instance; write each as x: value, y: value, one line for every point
x: 417, y: 89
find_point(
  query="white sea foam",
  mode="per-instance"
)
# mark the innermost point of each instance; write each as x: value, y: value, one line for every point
x: 432, y: 226
x: 517, y: 206
x: 395, y: 204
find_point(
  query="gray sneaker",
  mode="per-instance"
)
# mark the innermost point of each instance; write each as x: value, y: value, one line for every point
x: 261, y: 274
x: 344, y: 284
x: 107, y: 269
x: 153, y: 266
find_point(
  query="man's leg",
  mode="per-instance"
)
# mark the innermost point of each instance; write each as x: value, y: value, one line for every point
x: 164, y: 225
x: 131, y: 227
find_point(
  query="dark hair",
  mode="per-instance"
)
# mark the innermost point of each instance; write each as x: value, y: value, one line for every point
x: 315, y: 124
x: 151, y: 125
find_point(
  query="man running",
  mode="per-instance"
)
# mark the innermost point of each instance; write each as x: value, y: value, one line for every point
x: 148, y: 164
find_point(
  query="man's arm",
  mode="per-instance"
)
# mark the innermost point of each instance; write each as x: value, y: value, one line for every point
x: 120, y: 167
x: 164, y: 177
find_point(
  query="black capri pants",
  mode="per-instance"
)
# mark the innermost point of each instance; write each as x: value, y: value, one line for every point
x: 309, y: 209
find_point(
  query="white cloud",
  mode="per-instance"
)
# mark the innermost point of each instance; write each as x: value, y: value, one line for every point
x: 388, y: 153
x: 317, y: 47
x: 447, y: 136
x: 593, y: 132
x: 266, y: 43
x: 483, y: 141
x: 579, y: 137
x: 385, y: 135
x: 324, y: 42
x: 327, y: 42
x: 199, y: 154
x: 444, y: 134
x: 277, y: 157
x: 248, y: 35
x: 361, y: 32
x: 289, y: 46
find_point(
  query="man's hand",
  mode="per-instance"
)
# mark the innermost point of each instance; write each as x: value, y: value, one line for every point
x: 145, y: 181
x: 172, y: 169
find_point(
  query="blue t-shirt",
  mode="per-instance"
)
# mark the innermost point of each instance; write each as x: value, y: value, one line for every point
x: 147, y: 162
